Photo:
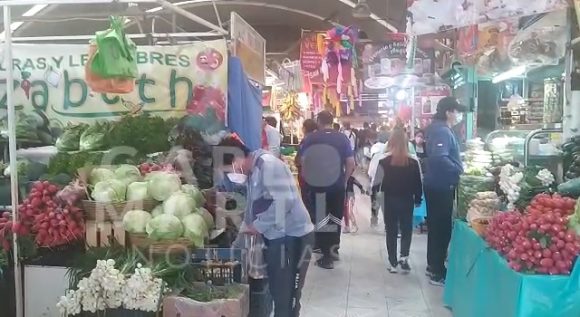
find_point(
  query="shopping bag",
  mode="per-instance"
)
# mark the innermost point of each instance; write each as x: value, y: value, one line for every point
x: 106, y: 85
x: 256, y: 264
x: 116, y: 53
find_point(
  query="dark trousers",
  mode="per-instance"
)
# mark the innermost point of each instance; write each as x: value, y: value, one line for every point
x: 439, y: 211
x: 398, y: 213
x: 288, y: 259
x: 374, y: 205
x: 328, y: 209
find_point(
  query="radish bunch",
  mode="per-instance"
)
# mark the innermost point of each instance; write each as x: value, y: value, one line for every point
x: 7, y: 227
x: 147, y: 168
x: 538, y: 241
x: 53, y: 222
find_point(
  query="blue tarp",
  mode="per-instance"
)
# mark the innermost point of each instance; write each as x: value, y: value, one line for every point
x: 481, y: 284
x: 244, y: 106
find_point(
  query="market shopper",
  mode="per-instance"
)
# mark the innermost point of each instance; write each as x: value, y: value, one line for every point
x: 327, y: 162
x: 271, y: 136
x: 442, y: 170
x: 398, y: 179
x: 274, y: 211
x: 350, y: 134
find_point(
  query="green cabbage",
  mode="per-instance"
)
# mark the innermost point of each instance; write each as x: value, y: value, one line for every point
x: 179, y: 204
x: 163, y: 184
x: 157, y: 211
x: 135, y: 221
x: 100, y: 174
x: 128, y: 173
x: 138, y: 191
x: 164, y: 227
x: 111, y: 190
x: 195, y: 193
x: 207, y: 216
x: 195, y: 229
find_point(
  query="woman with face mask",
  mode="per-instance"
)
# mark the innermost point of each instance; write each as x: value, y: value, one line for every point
x: 442, y: 170
x: 274, y: 212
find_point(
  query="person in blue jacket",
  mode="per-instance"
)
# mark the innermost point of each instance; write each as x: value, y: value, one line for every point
x: 442, y: 170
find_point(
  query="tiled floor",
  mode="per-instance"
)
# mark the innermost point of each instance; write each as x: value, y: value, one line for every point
x: 360, y: 285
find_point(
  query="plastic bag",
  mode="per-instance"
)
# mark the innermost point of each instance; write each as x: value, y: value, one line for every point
x: 106, y: 85
x: 116, y: 54
x: 542, y: 43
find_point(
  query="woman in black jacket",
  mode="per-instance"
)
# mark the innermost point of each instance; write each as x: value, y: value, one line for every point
x: 399, y: 179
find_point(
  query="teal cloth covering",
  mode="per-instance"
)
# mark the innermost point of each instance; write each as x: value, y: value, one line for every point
x: 481, y: 284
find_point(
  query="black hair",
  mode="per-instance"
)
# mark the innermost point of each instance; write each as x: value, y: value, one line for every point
x: 309, y: 126
x: 366, y: 125
x: 325, y: 118
x: 336, y: 126
x: 271, y: 121
x: 233, y: 142
x: 440, y: 115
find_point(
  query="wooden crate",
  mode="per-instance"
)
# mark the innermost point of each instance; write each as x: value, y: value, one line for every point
x: 100, y: 233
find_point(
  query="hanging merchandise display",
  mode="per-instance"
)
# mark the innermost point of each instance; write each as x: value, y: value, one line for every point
x: 250, y: 47
x: 98, y: 84
x: 436, y: 16
x: 542, y: 41
x: 116, y: 53
x: 290, y: 108
x: 327, y: 60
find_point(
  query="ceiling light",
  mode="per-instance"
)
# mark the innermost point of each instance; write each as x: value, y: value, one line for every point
x: 401, y: 95
x: 31, y: 12
x: 514, y: 72
x: 34, y: 10
x: 361, y: 10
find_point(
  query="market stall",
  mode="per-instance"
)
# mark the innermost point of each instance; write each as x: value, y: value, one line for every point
x: 124, y: 189
x: 515, y: 239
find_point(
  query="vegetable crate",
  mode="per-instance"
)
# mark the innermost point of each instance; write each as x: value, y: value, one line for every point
x: 101, y: 233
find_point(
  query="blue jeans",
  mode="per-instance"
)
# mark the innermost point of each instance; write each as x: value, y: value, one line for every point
x: 288, y: 259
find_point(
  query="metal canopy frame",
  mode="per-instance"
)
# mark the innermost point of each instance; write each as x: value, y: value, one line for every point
x: 8, y: 58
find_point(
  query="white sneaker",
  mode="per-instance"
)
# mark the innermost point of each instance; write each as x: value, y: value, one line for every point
x: 393, y: 269
x: 404, y: 264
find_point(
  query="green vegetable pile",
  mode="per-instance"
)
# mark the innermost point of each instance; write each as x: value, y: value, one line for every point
x: 70, y: 139
x: 469, y: 186
x: 180, y: 213
x: 574, y: 221
x: 571, y: 158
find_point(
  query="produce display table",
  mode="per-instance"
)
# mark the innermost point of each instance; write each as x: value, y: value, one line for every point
x: 481, y: 284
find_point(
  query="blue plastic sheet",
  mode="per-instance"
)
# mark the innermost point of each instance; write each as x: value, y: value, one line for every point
x: 419, y: 213
x: 244, y: 106
x: 481, y: 284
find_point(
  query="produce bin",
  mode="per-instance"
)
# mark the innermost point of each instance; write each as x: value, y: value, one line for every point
x: 481, y: 284
x: 186, y: 307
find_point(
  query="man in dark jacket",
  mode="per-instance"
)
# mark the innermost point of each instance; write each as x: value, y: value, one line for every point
x: 443, y: 168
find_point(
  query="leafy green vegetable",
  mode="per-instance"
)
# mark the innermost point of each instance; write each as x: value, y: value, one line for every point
x: 157, y: 211
x: 163, y: 184
x: 70, y: 138
x: 95, y: 137
x: 145, y: 133
x: 195, y: 193
x: 70, y: 163
x: 138, y: 191
x: 100, y: 174
x: 135, y: 221
x: 179, y: 204
x: 128, y: 173
x: 164, y: 227
x: 195, y: 229
x: 111, y: 190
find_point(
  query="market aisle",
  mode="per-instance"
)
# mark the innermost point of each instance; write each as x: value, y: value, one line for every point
x: 361, y: 286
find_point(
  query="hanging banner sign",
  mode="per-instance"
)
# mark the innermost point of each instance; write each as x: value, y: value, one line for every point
x: 173, y: 81
x: 250, y: 47
x: 311, y: 56
x: 436, y: 16
x: 384, y: 61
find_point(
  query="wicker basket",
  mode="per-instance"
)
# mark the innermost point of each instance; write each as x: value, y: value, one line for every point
x: 114, y: 211
x: 479, y: 225
x: 141, y: 241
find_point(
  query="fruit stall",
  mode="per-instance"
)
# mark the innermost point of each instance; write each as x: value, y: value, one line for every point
x: 117, y: 212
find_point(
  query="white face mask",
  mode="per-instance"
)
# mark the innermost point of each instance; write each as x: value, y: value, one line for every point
x: 237, y: 178
x: 458, y: 118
